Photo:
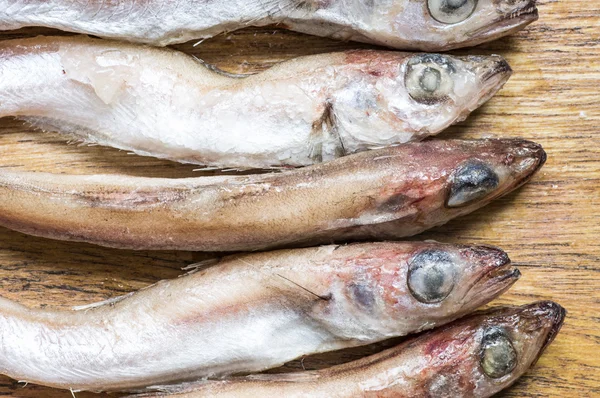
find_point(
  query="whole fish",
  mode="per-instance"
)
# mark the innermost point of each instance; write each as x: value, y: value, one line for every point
x: 250, y: 313
x: 427, y: 25
x: 163, y: 103
x: 384, y: 194
x: 475, y: 357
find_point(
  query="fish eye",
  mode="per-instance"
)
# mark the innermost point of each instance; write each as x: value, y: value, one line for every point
x: 451, y: 11
x: 431, y: 276
x: 428, y: 78
x: 472, y: 181
x: 498, y: 356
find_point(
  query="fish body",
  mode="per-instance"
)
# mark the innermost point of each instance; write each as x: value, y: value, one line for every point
x: 163, y: 103
x: 385, y: 194
x: 250, y: 313
x: 474, y: 357
x: 426, y: 25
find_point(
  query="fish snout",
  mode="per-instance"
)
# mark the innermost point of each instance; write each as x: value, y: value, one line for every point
x: 493, y: 274
x: 525, y: 158
x: 488, y: 256
x: 521, y: 9
x: 492, y: 73
x: 546, y: 317
x: 494, y: 67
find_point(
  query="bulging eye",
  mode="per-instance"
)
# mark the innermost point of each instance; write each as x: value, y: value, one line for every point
x: 451, y: 11
x: 498, y: 356
x: 428, y: 78
x: 472, y: 181
x: 431, y: 276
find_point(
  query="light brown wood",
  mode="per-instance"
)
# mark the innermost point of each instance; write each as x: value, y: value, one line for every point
x: 550, y: 228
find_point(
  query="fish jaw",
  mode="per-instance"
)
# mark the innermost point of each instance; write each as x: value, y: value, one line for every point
x: 496, y: 276
x: 493, y: 72
x: 510, y: 19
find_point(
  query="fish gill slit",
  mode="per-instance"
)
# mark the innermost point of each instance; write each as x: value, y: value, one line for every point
x: 322, y: 297
x: 322, y: 128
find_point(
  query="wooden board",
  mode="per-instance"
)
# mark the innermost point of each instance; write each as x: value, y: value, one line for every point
x: 550, y: 227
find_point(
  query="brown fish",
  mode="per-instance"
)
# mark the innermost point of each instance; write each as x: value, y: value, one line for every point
x: 250, y: 313
x: 427, y: 25
x: 384, y: 194
x: 475, y: 357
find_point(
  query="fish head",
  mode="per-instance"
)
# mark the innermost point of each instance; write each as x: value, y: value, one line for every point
x: 427, y: 184
x: 397, y: 287
x: 491, y: 350
x: 493, y: 168
x: 404, y: 96
x: 456, y: 279
x: 436, y: 25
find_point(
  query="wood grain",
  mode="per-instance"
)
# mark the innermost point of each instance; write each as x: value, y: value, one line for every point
x: 550, y: 227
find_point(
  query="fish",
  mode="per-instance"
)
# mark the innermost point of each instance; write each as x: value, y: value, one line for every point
x: 384, y: 194
x: 474, y: 357
x: 166, y: 104
x: 251, y: 312
x: 424, y: 25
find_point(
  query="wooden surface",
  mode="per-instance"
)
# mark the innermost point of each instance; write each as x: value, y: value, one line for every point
x: 550, y: 228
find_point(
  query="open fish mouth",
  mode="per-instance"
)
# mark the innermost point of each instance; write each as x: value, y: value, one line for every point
x: 494, y: 281
x: 493, y: 79
x: 508, y: 22
x: 527, y: 12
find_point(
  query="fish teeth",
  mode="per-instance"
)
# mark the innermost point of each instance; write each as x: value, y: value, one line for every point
x: 523, y: 11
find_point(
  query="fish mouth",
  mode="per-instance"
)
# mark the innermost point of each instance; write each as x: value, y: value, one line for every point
x: 493, y: 72
x: 499, y: 276
x: 544, y: 315
x: 532, y: 157
x: 556, y: 315
x: 509, y: 22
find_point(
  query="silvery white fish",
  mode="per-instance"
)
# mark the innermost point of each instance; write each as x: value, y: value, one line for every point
x: 385, y: 194
x: 250, y: 313
x: 163, y: 103
x: 427, y: 25
x: 475, y: 357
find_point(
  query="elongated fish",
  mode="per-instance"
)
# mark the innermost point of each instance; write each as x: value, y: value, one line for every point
x: 475, y: 357
x: 251, y: 313
x: 428, y: 25
x: 166, y: 104
x: 384, y: 194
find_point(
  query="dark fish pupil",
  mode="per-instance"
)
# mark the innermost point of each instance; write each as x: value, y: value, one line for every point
x: 430, y: 79
x: 451, y: 5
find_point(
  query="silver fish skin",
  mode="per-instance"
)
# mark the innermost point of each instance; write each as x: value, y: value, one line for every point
x: 163, y: 103
x: 475, y: 357
x: 425, y: 25
x: 385, y: 194
x: 250, y: 313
